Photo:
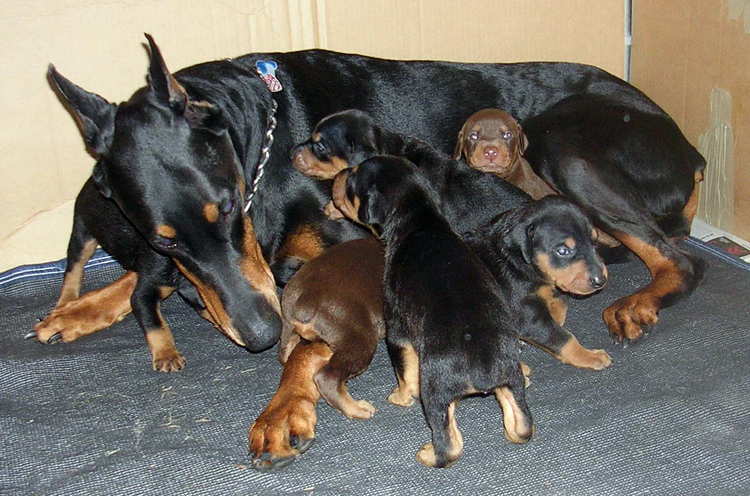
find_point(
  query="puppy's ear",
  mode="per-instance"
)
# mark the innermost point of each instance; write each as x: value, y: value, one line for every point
x: 373, y: 210
x: 524, y: 144
x: 459, y: 150
x: 99, y: 175
x: 364, y: 145
x: 521, y: 238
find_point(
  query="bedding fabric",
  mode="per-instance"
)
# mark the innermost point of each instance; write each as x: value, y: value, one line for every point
x: 670, y: 417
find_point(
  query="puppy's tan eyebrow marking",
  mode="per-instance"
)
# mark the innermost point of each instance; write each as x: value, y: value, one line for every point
x: 316, y: 136
x: 211, y: 212
x: 166, y: 230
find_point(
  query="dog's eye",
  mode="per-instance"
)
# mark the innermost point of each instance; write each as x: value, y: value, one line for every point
x: 473, y: 136
x: 319, y: 147
x: 507, y: 135
x: 165, y: 243
x: 227, y: 206
x: 564, y: 251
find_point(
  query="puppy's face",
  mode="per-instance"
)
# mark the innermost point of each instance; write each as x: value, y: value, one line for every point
x: 338, y: 141
x: 491, y: 140
x: 560, y: 241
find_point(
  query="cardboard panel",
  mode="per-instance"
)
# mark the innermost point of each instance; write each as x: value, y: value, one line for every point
x: 97, y: 44
x: 680, y: 55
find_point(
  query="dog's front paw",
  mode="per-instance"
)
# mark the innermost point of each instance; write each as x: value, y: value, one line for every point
x: 627, y: 317
x: 285, y: 430
x: 69, y: 322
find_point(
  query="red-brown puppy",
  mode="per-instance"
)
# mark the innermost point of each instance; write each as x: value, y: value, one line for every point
x: 333, y: 301
x: 491, y: 140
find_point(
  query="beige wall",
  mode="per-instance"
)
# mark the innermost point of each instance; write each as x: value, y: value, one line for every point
x: 97, y: 43
x: 681, y: 57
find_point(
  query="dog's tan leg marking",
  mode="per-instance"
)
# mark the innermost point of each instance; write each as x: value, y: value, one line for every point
x: 408, y: 386
x: 526, y: 371
x: 164, y: 354
x: 573, y: 353
x: 691, y: 207
x: 71, y: 288
x: 426, y: 454
x: 557, y: 307
x: 627, y: 316
x: 291, y: 411
x: 517, y: 426
x: 94, y: 311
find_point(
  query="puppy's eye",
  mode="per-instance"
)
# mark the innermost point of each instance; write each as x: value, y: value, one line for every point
x: 319, y: 147
x: 507, y: 135
x: 564, y: 251
x: 226, y: 207
x: 165, y: 243
x: 473, y: 136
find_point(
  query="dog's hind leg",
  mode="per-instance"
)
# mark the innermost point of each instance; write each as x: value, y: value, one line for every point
x: 517, y: 420
x: 80, y: 248
x: 352, y: 355
x: 286, y: 428
x: 406, y: 365
x: 447, y: 444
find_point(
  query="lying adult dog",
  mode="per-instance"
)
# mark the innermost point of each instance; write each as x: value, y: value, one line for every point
x: 158, y: 155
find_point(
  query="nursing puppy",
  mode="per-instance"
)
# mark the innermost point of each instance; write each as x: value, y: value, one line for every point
x: 449, y: 331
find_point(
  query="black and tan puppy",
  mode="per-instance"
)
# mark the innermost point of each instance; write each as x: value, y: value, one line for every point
x: 449, y: 331
x: 535, y: 252
x: 331, y: 308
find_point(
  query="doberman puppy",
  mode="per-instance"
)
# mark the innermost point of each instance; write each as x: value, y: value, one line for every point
x: 492, y: 141
x: 335, y: 299
x: 157, y: 154
x: 449, y: 332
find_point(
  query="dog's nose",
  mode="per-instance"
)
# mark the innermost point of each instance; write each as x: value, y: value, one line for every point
x: 490, y: 152
x: 598, y: 281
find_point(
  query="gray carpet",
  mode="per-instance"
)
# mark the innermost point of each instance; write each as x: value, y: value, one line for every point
x: 670, y: 417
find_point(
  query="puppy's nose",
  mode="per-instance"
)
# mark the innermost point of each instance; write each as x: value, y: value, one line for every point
x: 490, y: 152
x: 598, y: 281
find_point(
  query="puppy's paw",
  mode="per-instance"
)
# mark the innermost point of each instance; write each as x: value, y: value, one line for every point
x: 400, y: 398
x: 168, y: 361
x: 359, y: 409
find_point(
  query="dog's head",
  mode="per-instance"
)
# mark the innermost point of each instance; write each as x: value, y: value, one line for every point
x: 370, y: 192
x: 169, y: 163
x: 557, y: 237
x: 491, y: 140
x: 340, y: 140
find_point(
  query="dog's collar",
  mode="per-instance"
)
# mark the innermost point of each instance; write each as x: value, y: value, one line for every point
x: 266, y: 71
x: 265, y: 154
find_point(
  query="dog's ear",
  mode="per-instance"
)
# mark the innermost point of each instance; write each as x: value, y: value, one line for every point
x: 524, y: 142
x: 373, y: 211
x: 521, y: 238
x: 459, y: 150
x: 164, y: 85
x: 363, y: 144
x: 99, y: 175
x: 95, y: 115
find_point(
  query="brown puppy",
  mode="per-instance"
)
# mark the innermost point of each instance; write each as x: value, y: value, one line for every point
x: 335, y: 300
x: 491, y: 140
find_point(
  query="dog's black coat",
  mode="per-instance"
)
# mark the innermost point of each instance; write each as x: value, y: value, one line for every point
x: 439, y: 298
x: 161, y: 155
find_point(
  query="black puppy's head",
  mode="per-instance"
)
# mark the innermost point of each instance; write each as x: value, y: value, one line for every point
x: 370, y: 192
x: 340, y: 140
x: 169, y: 163
x: 557, y: 237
